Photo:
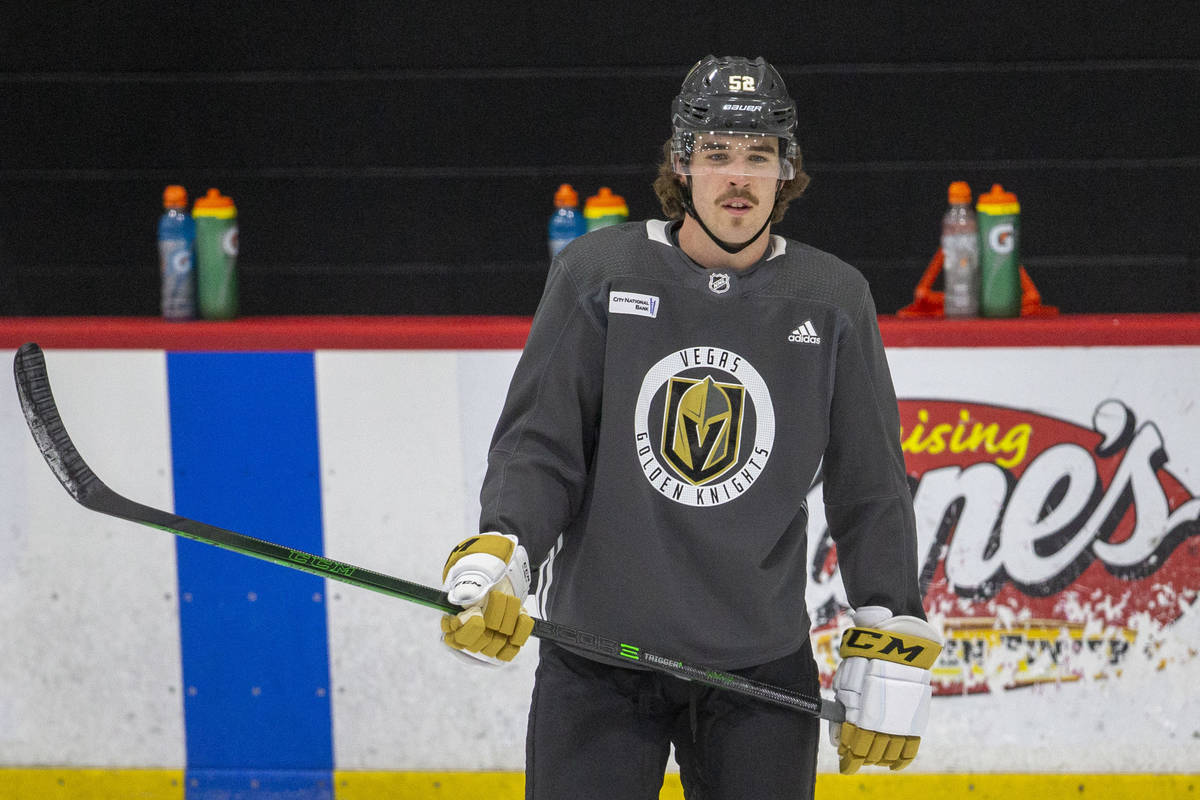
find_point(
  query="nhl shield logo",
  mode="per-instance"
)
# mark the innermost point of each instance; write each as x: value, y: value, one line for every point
x: 702, y: 427
x: 718, y: 283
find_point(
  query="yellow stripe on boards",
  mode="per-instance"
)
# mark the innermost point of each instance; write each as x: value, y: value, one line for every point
x: 49, y: 783
x: 350, y: 785
x: 916, y: 786
x: 167, y: 784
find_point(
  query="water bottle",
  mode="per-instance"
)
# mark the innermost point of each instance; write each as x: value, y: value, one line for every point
x: 176, y: 246
x: 960, y: 253
x: 216, y: 255
x: 999, y: 262
x: 566, y: 223
x: 605, y: 208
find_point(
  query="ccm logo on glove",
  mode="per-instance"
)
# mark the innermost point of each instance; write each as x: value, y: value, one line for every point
x: 869, y: 643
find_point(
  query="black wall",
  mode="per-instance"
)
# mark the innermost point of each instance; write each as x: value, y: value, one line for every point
x: 401, y: 158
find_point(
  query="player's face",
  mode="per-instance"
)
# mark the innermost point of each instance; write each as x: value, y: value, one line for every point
x: 734, y: 180
x: 735, y: 154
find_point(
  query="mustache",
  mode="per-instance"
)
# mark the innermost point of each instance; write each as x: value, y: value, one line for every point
x: 737, y: 194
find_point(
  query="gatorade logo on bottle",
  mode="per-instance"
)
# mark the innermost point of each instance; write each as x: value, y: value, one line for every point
x: 181, y: 261
x: 1000, y: 238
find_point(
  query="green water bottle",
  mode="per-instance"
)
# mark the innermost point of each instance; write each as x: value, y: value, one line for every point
x: 999, y: 217
x: 216, y: 256
x: 605, y: 208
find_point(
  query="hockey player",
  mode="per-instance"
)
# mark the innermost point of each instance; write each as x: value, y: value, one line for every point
x: 683, y: 384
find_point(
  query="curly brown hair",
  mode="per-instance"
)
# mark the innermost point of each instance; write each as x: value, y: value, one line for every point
x: 670, y: 192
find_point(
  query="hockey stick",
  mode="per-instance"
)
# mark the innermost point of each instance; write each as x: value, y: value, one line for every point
x: 41, y: 414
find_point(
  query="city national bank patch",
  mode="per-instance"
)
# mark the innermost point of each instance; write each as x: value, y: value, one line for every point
x: 642, y: 305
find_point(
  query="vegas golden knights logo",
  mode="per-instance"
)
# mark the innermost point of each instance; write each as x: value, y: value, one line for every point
x: 702, y: 427
x: 694, y: 409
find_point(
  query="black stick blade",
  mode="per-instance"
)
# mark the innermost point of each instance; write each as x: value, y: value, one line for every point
x: 41, y: 414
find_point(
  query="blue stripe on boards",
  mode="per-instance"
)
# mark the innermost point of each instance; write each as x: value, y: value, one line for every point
x: 254, y: 644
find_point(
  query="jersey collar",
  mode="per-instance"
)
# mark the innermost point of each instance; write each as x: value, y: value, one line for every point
x: 659, y: 230
x: 734, y: 283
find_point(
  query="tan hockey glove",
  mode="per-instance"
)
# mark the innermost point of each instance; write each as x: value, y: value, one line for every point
x: 884, y: 683
x: 489, y: 576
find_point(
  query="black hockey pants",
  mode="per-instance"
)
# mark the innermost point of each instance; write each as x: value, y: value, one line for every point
x: 601, y: 732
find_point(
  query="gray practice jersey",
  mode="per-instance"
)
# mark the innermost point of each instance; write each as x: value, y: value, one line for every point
x: 668, y: 421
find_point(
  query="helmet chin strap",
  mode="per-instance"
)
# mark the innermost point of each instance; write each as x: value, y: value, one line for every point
x: 690, y: 208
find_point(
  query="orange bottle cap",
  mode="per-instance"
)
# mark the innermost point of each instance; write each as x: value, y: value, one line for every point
x: 605, y: 198
x: 214, y: 199
x: 997, y: 196
x: 214, y: 204
x: 566, y: 196
x: 959, y: 192
x: 174, y: 196
x: 997, y: 201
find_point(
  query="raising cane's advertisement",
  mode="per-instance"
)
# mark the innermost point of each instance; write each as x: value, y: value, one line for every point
x: 1052, y: 549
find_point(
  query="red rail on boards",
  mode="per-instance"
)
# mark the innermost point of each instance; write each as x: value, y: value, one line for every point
x: 507, y: 333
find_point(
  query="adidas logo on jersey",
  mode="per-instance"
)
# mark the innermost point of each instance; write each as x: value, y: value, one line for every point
x: 805, y: 334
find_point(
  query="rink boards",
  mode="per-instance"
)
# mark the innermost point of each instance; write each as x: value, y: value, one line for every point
x: 133, y: 659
